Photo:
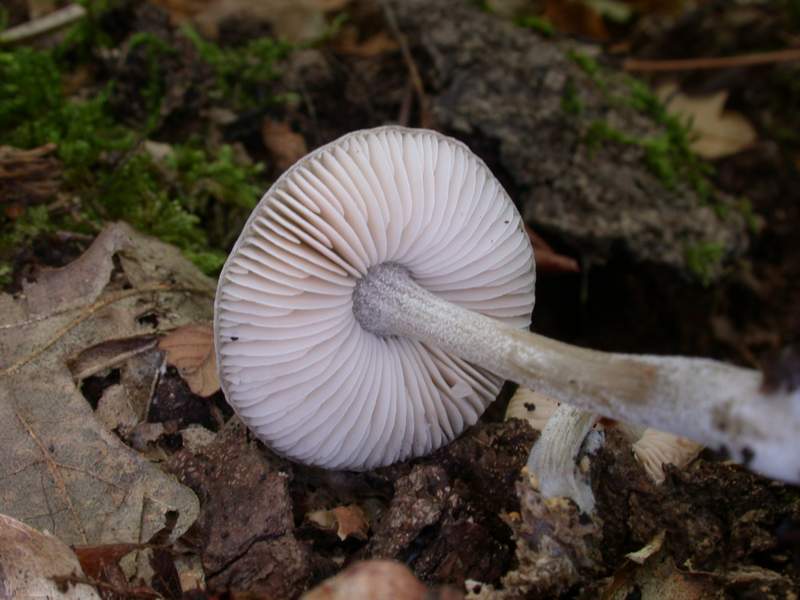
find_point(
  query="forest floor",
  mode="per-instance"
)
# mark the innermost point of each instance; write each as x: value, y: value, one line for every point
x: 174, y: 115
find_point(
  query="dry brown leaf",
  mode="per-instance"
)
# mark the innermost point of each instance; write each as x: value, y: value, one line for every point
x: 349, y: 521
x: 81, y: 281
x: 190, y: 349
x: 285, y: 146
x: 61, y: 469
x: 658, y: 578
x: 348, y: 42
x: 547, y: 259
x: 30, y: 559
x: 577, y: 18
x: 718, y: 132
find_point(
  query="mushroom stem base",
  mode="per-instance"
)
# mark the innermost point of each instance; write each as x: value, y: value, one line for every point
x: 718, y: 405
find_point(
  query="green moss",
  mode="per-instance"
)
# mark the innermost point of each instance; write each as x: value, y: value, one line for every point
x: 241, y: 72
x: 704, y: 260
x: 105, y: 165
x: 587, y: 64
x: 538, y: 24
x: 600, y: 132
x: 667, y: 155
x: 570, y: 101
x: 153, y: 93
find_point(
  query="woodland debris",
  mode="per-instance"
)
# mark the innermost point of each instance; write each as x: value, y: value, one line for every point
x: 716, y: 132
x: 512, y: 95
x: 62, y: 470
x: 245, y: 531
x: 347, y: 521
x: 43, y: 25
x: 285, y: 145
x: 29, y: 560
x: 190, y: 349
x: 28, y: 177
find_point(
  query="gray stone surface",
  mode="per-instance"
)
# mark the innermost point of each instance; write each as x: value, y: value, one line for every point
x: 502, y: 89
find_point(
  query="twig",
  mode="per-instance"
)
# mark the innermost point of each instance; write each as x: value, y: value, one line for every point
x: 719, y: 62
x: 54, y: 21
x: 425, y: 119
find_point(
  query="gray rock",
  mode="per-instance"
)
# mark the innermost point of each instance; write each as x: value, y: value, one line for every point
x: 529, y: 101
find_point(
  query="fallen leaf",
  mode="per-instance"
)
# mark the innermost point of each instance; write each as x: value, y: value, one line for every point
x: 576, y: 18
x: 80, y: 282
x: 718, y: 132
x: 658, y: 578
x: 348, y: 521
x: 349, y: 42
x: 245, y: 531
x: 547, y: 259
x: 285, y: 146
x: 30, y: 559
x: 351, y: 522
x: 61, y: 469
x: 98, y: 560
x: 648, y: 550
x: 115, y: 411
x: 190, y: 349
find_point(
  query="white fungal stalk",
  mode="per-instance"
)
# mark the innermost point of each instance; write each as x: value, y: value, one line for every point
x: 718, y: 405
x: 553, y: 462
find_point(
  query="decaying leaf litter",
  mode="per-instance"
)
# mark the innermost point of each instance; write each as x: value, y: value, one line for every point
x: 139, y: 449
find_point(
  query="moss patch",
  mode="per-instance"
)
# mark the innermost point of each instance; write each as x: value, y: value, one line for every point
x: 108, y: 172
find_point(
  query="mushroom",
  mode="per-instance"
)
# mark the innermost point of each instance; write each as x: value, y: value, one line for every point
x: 380, y: 292
x: 553, y: 465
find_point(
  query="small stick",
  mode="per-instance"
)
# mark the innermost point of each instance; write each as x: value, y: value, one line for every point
x: 718, y: 62
x: 425, y: 119
x: 54, y: 21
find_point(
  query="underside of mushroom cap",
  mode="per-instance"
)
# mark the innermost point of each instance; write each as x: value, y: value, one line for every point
x: 295, y: 363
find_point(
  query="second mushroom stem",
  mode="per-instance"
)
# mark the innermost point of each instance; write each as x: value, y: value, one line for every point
x: 713, y: 403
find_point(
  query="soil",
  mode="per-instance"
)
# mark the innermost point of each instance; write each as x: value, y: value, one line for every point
x: 463, y: 514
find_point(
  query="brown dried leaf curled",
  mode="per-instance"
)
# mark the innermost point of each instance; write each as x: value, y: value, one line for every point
x: 190, y: 349
x: 348, y: 521
x: 285, y: 146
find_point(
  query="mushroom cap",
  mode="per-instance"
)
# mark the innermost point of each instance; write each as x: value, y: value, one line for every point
x: 295, y: 363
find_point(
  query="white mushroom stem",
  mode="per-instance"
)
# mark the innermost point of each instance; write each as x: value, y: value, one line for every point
x: 715, y: 404
x: 554, y: 458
